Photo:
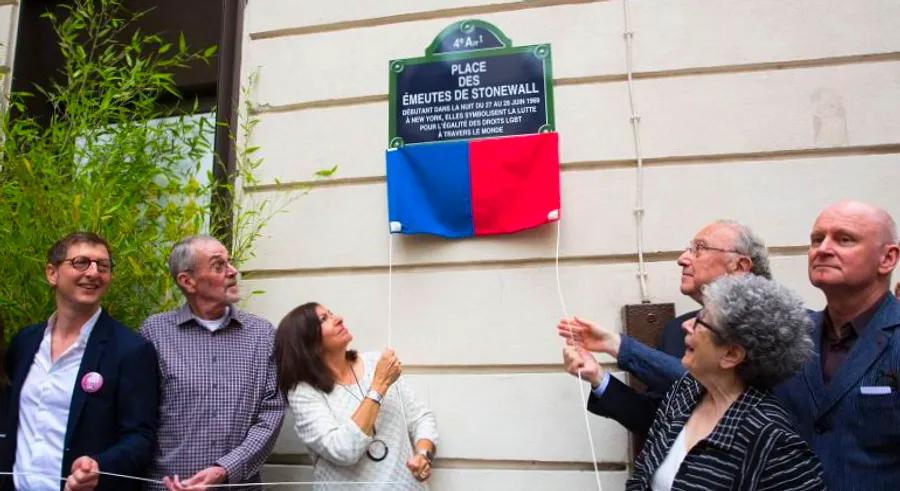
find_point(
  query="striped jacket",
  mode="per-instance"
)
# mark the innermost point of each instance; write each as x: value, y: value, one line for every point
x: 753, y: 446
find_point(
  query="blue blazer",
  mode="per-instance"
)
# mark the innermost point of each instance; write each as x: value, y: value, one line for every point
x: 116, y: 426
x: 855, y: 435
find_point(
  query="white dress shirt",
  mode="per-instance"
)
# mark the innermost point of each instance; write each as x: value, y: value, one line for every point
x: 44, y: 411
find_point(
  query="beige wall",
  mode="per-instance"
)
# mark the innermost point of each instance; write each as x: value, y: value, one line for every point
x: 760, y: 111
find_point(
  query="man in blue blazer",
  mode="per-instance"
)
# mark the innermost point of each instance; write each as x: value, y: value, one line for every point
x: 846, y: 401
x: 83, y: 394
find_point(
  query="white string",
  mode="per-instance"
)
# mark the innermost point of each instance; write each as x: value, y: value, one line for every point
x: 263, y: 484
x: 390, y: 288
x: 580, y: 379
x: 390, y: 302
x: 636, y: 134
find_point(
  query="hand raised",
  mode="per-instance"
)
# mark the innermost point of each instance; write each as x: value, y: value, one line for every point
x: 586, y: 334
x: 387, y: 371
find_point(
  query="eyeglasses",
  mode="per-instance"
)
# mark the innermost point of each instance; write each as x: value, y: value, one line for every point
x: 221, y: 266
x: 699, y: 321
x: 698, y: 248
x: 83, y: 263
x: 218, y: 267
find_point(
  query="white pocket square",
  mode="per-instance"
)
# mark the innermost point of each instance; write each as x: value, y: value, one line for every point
x: 874, y: 390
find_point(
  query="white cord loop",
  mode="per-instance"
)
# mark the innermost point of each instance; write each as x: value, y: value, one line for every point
x: 628, y: 35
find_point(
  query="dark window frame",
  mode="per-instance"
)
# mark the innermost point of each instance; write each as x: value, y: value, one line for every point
x: 218, y: 85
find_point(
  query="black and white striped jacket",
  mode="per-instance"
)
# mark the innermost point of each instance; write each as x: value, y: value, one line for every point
x: 753, y: 447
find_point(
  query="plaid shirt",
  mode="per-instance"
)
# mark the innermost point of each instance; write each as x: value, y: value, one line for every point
x: 219, y: 402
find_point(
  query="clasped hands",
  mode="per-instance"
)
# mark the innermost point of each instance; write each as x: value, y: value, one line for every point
x: 197, y: 482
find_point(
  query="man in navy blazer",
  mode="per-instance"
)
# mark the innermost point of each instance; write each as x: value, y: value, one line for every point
x: 846, y: 401
x: 83, y: 394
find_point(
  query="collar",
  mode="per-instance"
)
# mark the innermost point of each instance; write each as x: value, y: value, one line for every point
x: 185, y: 316
x: 725, y: 430
x: 86, y: 329
x: 858, y: 323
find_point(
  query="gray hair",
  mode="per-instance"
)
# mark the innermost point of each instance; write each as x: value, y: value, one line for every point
x: 767, y: 320
x: 749, y: 244
x: 182, y: 257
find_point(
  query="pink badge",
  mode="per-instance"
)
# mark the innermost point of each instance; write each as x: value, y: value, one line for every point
x: 91, y: 382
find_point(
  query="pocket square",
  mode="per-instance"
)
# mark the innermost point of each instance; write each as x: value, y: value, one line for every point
x: 874, y: 390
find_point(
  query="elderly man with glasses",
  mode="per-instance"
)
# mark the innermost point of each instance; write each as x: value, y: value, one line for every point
x: 720, y: 248
x: 220, y: 409
x: 83, y: 387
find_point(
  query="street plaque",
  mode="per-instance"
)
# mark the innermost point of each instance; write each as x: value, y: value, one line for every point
x: 471, y: 84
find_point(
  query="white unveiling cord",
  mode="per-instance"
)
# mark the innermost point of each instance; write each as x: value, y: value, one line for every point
x: 210, y: 486
x: 580, y: 379
x: 390, y: 303
x: 636, y: 133
x: 390, y: 330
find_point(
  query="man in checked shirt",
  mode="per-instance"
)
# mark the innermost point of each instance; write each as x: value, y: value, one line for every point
x: 220, y: 409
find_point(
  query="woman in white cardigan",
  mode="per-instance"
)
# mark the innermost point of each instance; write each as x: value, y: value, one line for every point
x: 359, y: 424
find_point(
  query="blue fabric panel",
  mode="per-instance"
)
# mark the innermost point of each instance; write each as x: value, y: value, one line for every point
x: 428, y: 189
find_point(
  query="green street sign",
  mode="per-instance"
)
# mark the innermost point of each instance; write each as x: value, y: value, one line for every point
x: 471, y: 83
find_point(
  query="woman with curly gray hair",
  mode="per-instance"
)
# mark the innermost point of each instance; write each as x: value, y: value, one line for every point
x: 719, y: 427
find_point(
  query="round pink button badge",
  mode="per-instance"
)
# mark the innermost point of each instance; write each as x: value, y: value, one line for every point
x: 91, y: 382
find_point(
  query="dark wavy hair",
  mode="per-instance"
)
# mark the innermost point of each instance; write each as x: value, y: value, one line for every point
x: 298, y: 351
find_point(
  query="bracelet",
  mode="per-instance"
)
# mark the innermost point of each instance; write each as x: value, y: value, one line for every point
x: 428, y: 454
x: 375, y: 396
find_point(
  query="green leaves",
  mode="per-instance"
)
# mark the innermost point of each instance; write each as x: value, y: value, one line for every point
x: 326, y: 172
x: 113, y: 161
x: 110, y: 160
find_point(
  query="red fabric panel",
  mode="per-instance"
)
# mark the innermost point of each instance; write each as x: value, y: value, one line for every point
x: 515, y: 182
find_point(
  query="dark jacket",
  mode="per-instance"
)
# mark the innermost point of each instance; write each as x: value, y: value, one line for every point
x: 632, y: 409
x: 116, y: 426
